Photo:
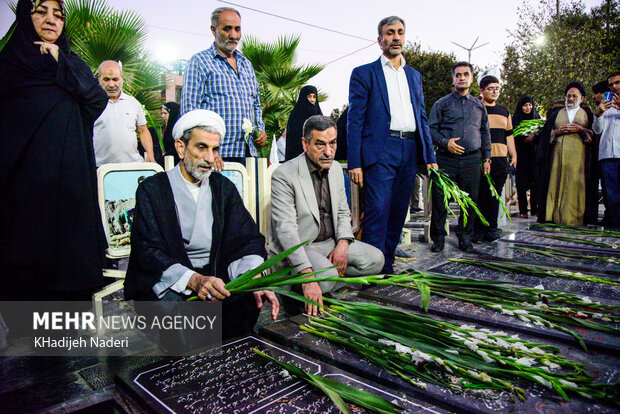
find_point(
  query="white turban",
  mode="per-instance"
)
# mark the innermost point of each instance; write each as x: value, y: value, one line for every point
x: 199, y: 117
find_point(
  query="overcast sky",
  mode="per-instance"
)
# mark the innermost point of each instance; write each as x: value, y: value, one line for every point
x: 180, y: 28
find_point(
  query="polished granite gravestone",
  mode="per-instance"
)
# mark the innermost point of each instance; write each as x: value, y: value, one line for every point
x: 538, y: 399
x: 236, y: 380
x: 534, y: 238
x: 469, y: 312
x: 604, y: 293
x: 511, y: 252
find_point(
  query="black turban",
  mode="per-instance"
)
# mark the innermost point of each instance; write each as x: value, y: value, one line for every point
x: 577, y: 85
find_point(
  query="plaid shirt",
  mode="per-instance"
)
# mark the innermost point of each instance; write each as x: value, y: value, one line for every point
x: 211, y: 83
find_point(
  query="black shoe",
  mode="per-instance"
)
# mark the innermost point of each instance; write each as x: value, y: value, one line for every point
x: 417, y: 209
x: 437, y: 246
x: 492, y: 235
x: 466, y: 246
x: 476, y: 238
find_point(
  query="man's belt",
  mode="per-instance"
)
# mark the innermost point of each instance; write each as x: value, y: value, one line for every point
x: 402, y: 134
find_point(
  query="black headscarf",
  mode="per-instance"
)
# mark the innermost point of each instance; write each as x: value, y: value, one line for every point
x: 294, y: 128
x: 21, y: 51
x: 519, y: 115
x: 173, y: 109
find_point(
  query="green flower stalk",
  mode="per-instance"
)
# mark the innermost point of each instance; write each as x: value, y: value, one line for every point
x: 538, y: 306
x: 578, y: 240
x: 338, y: 392
x: 497, y: 196
x: 422, y: 350
x: 254, y: 280
x: 554, y: 252
x: 576, y: 229
x: 452, y: 191
x: 536, y: 270
x: 529, y: 127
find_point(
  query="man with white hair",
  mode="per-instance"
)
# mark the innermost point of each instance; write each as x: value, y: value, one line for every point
x: 115, y: 130
x: 191, y: 232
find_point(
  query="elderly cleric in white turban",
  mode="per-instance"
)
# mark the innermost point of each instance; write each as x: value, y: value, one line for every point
x: 199, y: 117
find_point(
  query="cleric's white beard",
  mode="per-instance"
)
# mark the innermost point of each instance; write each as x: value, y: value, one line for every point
x: 193, y: 170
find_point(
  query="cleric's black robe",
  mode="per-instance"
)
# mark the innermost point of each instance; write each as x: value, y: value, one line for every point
x: 157, y: 242
x: 51, y: 233
x: 543, y: 160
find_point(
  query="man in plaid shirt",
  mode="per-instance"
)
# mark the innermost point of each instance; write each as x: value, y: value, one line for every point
x: 221, y: 79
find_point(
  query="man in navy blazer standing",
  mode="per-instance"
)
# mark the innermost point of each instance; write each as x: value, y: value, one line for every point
x: 387, y: 137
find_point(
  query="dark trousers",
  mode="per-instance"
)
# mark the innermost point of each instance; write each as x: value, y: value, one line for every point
x: 610, y: 177
x: 464, y: 170
x: 526, y: 178
x: 239, y: 315
x: 489, y: 205
x: 387, y: 192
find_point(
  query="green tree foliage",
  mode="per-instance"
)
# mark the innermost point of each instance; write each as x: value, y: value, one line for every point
x: 97, y: 32
x: 578, y: 46
x: 279, y: 80
x: 435, y: 68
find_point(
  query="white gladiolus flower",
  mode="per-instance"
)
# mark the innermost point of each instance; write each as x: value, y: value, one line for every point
x: 452, y: 351
x: 524, y: 319
x: 507, y: 312
x: 496, y: 306
x: 502, y: 343
x: 485, y: 377
x: 520, y: 346
x: 247, y: 126
x: 550, y: 364
x: 538, y: 351
x: 542, y: 381
x: 568, y: 384
x: 515, y: 336
x: 439, y: 361
x: 471, y: 345
x: 468, y: 327
x: 597, y: 315
x: 484, y: 356
x: 418, y: 356
x: 525, y: 361
x: 521, y: 312
x: 479, y: 335
x: 606, y: 319
x: 539, y: 287
x: 474, y: 373
x: 583, y: 315
x: 586, y: 299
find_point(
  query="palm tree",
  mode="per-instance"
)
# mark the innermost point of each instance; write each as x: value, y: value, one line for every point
x: 279, y: 79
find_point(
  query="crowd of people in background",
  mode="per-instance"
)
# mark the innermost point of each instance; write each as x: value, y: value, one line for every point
x: 59, y: 123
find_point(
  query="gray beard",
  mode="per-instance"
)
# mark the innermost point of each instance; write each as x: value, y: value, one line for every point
x: 194, y: 172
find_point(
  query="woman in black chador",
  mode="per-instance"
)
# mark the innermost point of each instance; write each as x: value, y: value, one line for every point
x: 51, y: 236
x: 170, y: 115
x: 306, y: 106
x: 526, y: 154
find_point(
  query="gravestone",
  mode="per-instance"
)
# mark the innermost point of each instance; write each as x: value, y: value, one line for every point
x: 469, y: 312
x: 532, y: 238
x: 234, y: 379
x: 604, y: 293
x: 287, y: 332
x: 508, y: 252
